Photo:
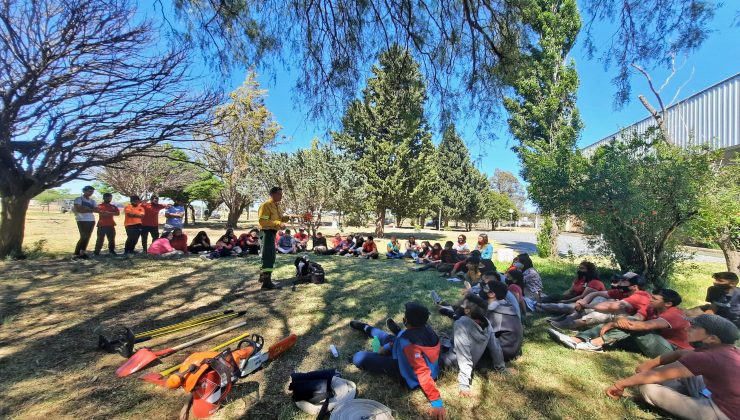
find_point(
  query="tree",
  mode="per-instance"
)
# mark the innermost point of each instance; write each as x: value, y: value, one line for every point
x: 453, y: 161
x: 465, y: 47
x: 718, y: 220
x: 82, y: 87
x: 497, y: 208
x: 242, y: 131
x: 472, y: 205
x: 315, y: 180
x: 207, y: 188
x: 386, y: 133
x: 161, y: 169
x: 508, y: 184
x: 52, y: 196
x: 543, y: 116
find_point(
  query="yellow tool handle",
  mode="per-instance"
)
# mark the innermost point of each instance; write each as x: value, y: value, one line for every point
x: 221, y: 346
x: 188, y: 322
x: 188, y: 326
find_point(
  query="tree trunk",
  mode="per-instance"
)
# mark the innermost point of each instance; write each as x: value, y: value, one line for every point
x: 233, y: 218
x: 12, y: 225
x: 192, y: 213
x: 380, y: 223
x: 554, y: 233
x: 732, y: 255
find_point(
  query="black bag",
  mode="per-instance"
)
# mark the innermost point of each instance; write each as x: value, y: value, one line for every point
x: 308, y: 271
x: 314, y: 387
x: 317, y: 273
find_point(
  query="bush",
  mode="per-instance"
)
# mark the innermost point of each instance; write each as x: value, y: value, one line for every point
x: 544, y: 239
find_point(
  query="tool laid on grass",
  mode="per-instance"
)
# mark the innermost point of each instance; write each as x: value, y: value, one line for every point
x: 144, y: 356
x: 161, y: 377
x: 209, y: 376
x: 123, y: 339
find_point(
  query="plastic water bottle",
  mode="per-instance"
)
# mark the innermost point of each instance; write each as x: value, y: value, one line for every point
x: 376, y: 345
x: 333, y: 350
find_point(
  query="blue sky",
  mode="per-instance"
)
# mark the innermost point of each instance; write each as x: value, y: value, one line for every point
x: 718, y: 59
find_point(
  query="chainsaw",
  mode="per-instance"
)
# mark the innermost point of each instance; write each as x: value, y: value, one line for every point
x: 208, y: 376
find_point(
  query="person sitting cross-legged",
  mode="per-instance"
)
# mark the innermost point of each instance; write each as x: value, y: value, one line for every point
x: 473, y: 338
x: 301, y: 238
x: 179, y: 241
x: 410, y: 354
x: 319, y: 245
x: 345, y: 247
x: 287, y: 244
x: 369, y: 249
x: 699, y: 384
x: 161, y: 247
x: 663, y: 330
x: 393, y: 248
x: 432, y: 260
x: 200, y: 244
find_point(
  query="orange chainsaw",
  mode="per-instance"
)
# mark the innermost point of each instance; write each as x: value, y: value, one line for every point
x: 208, y: 376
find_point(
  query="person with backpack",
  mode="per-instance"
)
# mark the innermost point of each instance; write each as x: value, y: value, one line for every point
x: 410, y: 354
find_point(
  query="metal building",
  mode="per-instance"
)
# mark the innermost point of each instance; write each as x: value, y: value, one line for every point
x: 710, y: 117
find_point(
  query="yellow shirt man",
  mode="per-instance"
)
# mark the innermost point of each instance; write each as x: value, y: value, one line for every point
x: 270, y: 216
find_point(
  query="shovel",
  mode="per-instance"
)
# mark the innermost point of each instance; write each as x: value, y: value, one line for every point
x: 144, y: 357
x: 123, y: 342
x: 161, y: 377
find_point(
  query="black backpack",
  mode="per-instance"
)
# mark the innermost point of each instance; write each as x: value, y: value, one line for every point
x: 308, y: 271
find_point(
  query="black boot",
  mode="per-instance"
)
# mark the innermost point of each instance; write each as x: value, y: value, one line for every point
x: 266, y: 280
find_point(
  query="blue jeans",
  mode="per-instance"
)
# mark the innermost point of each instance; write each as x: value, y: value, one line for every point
x: 375, y: 362
x: 394, y: 255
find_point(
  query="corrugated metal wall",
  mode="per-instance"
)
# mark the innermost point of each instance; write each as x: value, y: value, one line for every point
x: 711, y: 117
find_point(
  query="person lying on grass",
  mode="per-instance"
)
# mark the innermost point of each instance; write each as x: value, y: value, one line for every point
x: 723, y: 298
x: 586, y: 281
x: 663, y: 330
x: 410, y: 353
x: 583, y: 315
x: 473, y: 337
x: 703, y: 383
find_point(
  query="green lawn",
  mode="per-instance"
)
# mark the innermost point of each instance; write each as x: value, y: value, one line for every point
x: 52, y: 310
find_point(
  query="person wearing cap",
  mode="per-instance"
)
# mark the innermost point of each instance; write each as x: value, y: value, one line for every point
x: 150, y: 221
x: 410, y: 353
x: 703, y: 383
x: 301, y: 238
x: 133, y: 213
x: 106, y: 225
x: 663, y: 330
x: 723, y: 298
x: 472, y: 336
x: 84, y: 209
x: 271, y: 219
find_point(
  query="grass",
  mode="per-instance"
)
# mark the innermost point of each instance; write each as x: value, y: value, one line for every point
x: 53, y: 309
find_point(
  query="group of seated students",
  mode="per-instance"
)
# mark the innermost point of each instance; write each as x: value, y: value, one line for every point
x: 174, y: 243
x: 694, y: 366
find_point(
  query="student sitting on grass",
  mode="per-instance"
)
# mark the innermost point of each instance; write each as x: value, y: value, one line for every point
x: 448, y: 259
x: 201, y: 243
x: 586, y: 281
x: 410, y: 354
x: 412, y: 248
x: 225, y: 246
x: 583, y: 315
x: 301, y: 238
x: 699, y: 384
x: 424, y: 250
x: 161, y: 247
x: 369, y: 249
x: 357, y: 246
x: 461, y: 247
x: 319, y: 245
x: 663, y: 330
x: 179, y: 241
x: 336, y: 242
x: 483, y: 249
x: 393, y: 248
x: 287, y: 244
x: 515, y: 282
x: 432, y: 260
x: 723, y: 298
x: 473, y: 337
x: 345, y: 247
x: 504, y: 318
x: 533, y: 290
x: 249, y: 243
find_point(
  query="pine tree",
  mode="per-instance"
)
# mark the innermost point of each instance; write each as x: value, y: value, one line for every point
x: 454, y: 163
x: 386, y: 133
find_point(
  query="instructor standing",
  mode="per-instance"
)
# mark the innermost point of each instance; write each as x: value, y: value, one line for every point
x: 270, y: 219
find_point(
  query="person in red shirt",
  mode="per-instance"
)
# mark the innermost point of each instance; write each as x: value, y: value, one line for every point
x: 663, y: 330
x: 179, y: 240
x: 302, y: 237
x: 107, y: 225
x: 583, y: 316
x: 703, y: 383
x: 586, y: 282
x: 150, y: 221
x: 369, y: 249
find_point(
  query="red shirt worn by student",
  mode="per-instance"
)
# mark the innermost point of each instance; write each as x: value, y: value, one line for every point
x: 301, y: 237
x: 151, y: 214
x: 640, y: 300
x: 180, y: 243
x: 615, y: 294
x: 369, y: 246
x: 579, y: 285
x: 516, y: 291
x: 107, y: 219
x: 720, y: 368
x: 678, y: 333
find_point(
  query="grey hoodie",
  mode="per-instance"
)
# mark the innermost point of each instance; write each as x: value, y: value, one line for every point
x: 468, y: 346
x: 507, y: 326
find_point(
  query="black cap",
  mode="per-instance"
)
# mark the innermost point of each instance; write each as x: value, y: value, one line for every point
x: 416, y: 314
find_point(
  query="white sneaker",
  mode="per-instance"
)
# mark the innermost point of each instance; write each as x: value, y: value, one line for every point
x: 204, y: 257
x: 587, y: 346
x: 562, y: 338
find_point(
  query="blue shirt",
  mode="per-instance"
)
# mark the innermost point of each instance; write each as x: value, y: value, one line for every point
x: 487, y: 252
x: 175, y: 222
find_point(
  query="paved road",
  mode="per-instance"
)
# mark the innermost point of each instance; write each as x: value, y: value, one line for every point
x: 525, y: 242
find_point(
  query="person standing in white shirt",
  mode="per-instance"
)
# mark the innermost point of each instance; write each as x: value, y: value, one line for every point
x: 84, y: 209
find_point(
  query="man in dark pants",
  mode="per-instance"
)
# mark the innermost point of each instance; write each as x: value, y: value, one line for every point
x: 84, y: 209
x: 150, y: 221
x: 107, y: 225
x: 133, y: 213
x: 270, y: 219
